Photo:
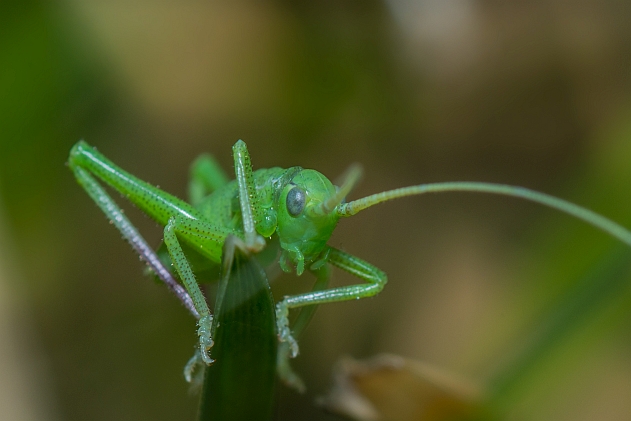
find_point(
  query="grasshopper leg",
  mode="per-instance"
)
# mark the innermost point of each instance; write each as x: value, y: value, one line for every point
x: 283, y: 367
x: 206, y: 176
x: 212, y: 238
x: 374, y: 278
x: 188, y: 279
x: 131, y: 234
x: 248, y: 199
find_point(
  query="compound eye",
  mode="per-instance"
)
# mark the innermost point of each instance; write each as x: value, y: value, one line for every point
x: 296, y: 201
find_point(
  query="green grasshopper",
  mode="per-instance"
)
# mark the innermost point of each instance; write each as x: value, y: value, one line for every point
x: 297, y: 207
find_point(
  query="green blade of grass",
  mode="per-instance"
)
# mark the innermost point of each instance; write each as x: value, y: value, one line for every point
x: 240, y: 384
x: 603, y: 287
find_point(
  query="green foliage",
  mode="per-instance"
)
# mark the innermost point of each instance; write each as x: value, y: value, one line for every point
x: 240, y: 384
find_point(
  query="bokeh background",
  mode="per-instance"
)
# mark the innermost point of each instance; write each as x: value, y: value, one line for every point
x: 532, y: 305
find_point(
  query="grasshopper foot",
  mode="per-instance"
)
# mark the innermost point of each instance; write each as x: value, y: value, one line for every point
x: 194, y: 369
x: 284, y: 332
x: 255, y: 244
x: 284, y: 370
x: 205, y: 339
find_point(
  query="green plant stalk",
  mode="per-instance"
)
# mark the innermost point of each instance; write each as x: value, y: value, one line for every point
x: 240, y: 384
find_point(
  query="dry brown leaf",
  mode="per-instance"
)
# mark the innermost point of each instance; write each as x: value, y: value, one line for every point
x: 392, y: 388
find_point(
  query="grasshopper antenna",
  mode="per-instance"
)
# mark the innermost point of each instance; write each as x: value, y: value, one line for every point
x: 598, y: 221
x: 350, y: 177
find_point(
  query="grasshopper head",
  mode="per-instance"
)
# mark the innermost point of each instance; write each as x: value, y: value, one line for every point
x: 308, y: 211
x: 305, y: 223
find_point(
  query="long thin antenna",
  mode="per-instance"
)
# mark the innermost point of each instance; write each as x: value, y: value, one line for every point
x: 599, y: 221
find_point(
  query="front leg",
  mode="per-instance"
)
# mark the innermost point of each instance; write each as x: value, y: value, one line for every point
x: 374, y: 278
x: 251, y: 211
x: 283, y: 368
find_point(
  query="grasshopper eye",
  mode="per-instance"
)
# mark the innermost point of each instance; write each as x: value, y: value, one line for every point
x: 296, y: 201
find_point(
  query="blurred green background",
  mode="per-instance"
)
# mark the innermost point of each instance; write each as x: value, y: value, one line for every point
x: 529, y: 303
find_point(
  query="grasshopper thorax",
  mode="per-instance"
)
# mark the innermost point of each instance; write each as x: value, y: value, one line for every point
x: 304, y: 226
